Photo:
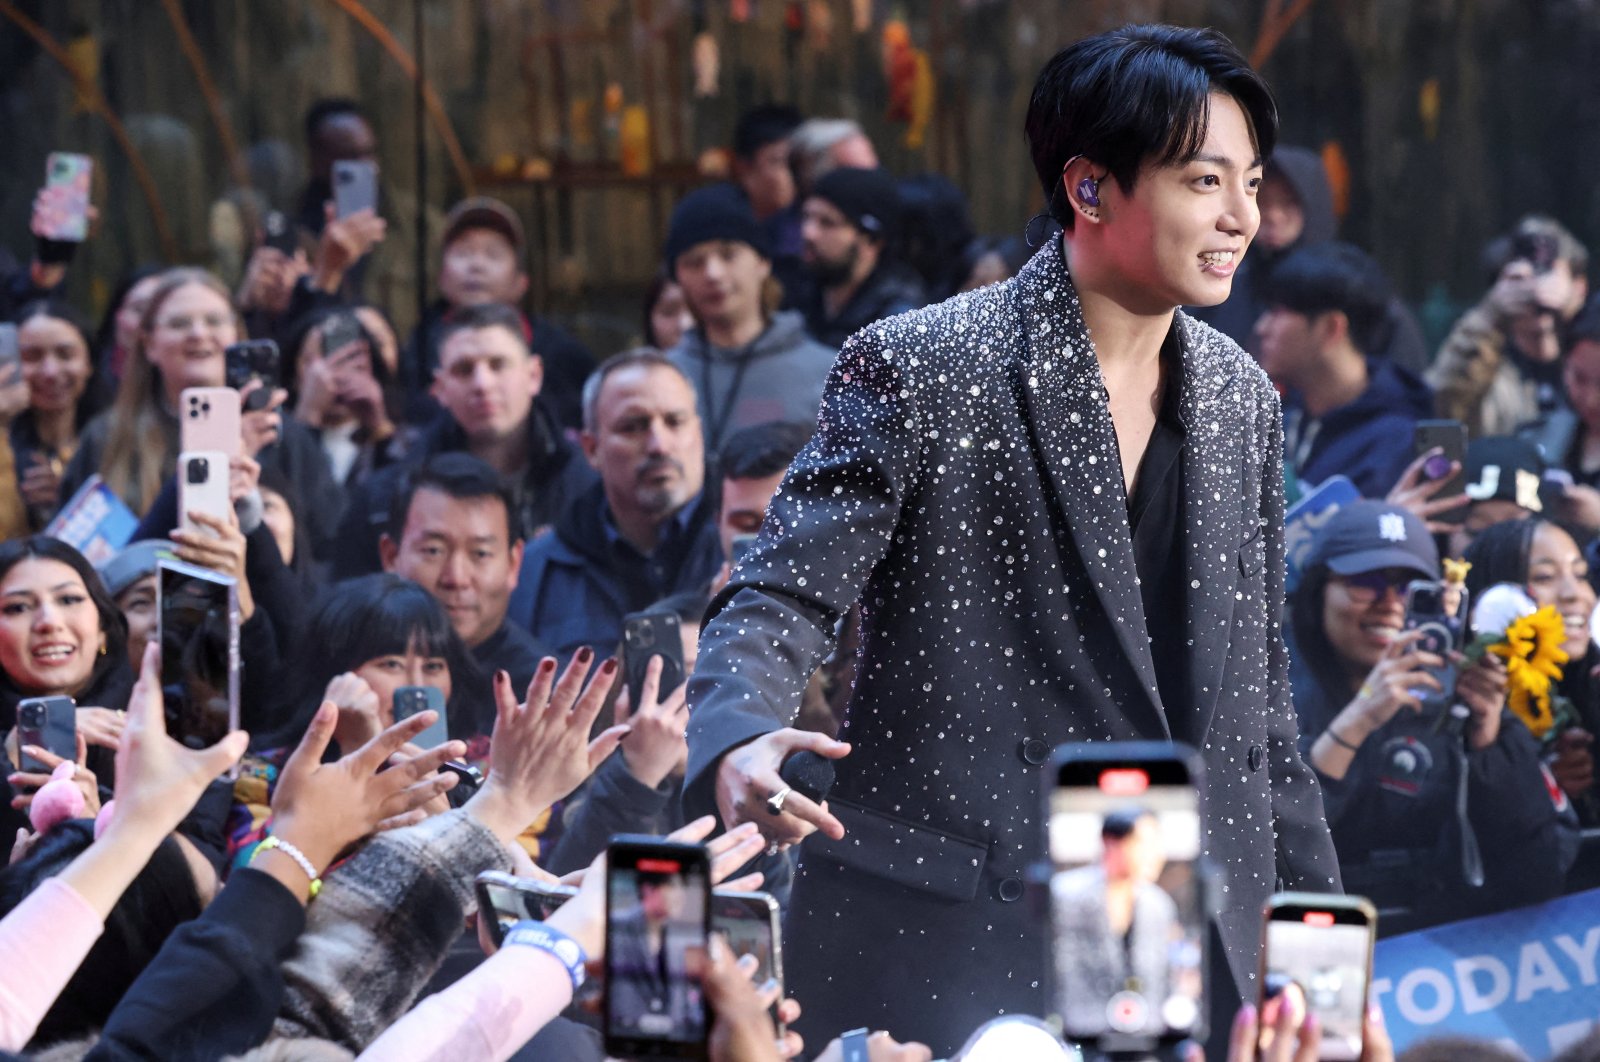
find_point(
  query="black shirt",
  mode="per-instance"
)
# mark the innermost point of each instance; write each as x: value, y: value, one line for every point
x: 1155, y: 516
x: 513, y: 650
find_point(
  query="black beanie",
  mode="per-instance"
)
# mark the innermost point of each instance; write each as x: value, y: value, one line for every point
x: 868, y: 198
x: 718, y: 212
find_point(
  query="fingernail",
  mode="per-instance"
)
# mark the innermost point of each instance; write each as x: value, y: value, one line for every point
x: 585, y: 655
x: 1312, y: 1024
x: 609, y: 667
x: 547, y: 665
x: 1375, y: 1014
x: 1247, y: 1016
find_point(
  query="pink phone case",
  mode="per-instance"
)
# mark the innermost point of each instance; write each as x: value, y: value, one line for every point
x: 209, y: 420
x: 66, y: 197
x: 208, y: 493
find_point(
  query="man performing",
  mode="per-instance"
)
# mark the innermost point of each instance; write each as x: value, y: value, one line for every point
x: 1052, y: 540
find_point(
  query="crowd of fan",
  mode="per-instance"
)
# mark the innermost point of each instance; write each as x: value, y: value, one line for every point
x: 467, y: 505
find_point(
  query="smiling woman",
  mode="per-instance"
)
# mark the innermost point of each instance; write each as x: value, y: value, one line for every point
x: 60, y: 632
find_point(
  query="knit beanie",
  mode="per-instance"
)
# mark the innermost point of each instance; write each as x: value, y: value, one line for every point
x: 714, y: 213
x: 868, y: 198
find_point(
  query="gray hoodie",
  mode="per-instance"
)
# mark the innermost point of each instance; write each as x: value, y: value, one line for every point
x: 779, y: 376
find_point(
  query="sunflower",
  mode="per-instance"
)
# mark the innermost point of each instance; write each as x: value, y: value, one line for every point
x: 1532, y: 651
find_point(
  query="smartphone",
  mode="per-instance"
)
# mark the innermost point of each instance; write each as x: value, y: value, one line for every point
x: 1451, y: 437
x: 66, y: 180
x: 339, y: 331
x: 202, y: 487
x: 51, y: 723
x: 409, y: 700
x: 355, y: 187
x: 1439, y: 613
x: 658, y: 910
x: 253, y: 359
x: 748, y: 921
x: 1324, y: 945
x: 277, y: 232
x: 648, y: 634
x: 210, y: 420
x: 198, y: 627
x: 505, y: 899
x: 1124, y: 821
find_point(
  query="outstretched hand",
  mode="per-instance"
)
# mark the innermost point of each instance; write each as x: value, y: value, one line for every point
x: 540, y: 750
x: 322, y: 808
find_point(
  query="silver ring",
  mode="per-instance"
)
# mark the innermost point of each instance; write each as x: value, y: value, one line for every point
x: 775, y: 801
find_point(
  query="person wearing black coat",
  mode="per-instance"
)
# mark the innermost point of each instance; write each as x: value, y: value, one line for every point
x: 968, y: 483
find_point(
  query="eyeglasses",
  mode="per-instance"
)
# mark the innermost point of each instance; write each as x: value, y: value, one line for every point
x: 1369, y: 586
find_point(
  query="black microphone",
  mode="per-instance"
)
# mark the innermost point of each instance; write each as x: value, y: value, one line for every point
x: 808, y: 774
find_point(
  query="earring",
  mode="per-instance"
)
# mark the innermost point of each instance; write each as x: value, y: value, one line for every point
x: 102, y: 648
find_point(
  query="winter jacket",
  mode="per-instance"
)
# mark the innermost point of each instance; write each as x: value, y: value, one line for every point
x: 215, y: 987
x: 555, y: 475
x: 778, y: 376
x: 1479, y: 380
x: 1368, y: 440
x: 578, y: 581
x: 381, y: 926
x: 1394, y: 822
x: 891, y: 288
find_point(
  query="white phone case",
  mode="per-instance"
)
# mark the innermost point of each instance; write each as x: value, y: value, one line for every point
x: 202, y: 487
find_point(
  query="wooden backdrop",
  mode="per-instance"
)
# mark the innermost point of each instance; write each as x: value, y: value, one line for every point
x: 1443, y: 119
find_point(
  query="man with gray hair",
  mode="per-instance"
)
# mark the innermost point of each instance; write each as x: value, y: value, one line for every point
x: 646, y: 531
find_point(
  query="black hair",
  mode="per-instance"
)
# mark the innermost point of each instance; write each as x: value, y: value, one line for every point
x: 762, y: 450
x: 331, y: 107
x: 1312, y: 648
x: 935, y: 227
x: 159, y: 900
x: 1585, y: 328
x: 1328, y: 277
x: 460, y: 476
x: 658, y: 284
x: 105, y: 336
x: 314, y: 321
x: 483, y: 315
x: 303, y: 566
x: 763, y: 125
x: 96, y: 394
x: 365, y: 618
x: 1137, y: 95
x: 113, y: 624
x: 1118, y: 824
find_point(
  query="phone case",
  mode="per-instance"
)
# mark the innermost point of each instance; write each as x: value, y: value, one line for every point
x: 409, y: 700
x: 198, y: 630
x: 202, y: 486
x: 56, y: 731
x: 355, y: 187
x: 65, y: 200
x: 648, y: 634
x: 210, y: 420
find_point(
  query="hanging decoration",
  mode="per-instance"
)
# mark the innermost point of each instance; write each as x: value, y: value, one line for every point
x: 707, y: 60
x: 1428, y: 107
x: 910, y: 77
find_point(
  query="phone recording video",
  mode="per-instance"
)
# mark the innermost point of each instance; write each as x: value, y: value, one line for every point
x: 253, y: 359
x: 1324, y: 945
x: 199, y: 635
x: 651, y: 634
x: 749, y: 922
x: 504, y: 900
x: 658, y: 905
x: 1438, y: 612
x: 49, y: 723
x: 1126, y: 907
x: 411, y: 700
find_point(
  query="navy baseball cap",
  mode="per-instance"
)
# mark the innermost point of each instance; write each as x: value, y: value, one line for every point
x: 1369, y: 536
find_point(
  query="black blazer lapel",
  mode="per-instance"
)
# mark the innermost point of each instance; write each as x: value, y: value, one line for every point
x: 1070, y: 426
x: 1213, y: 476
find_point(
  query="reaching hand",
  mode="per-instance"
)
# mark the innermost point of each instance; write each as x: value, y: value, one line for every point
x: 657, y: 744
x: 220, y: 546
x: 540, y: 750
x: 26, y: 784
x: 41, y: 483
x: 324, y: 807
x: 357, y: 704
x: 345, y: 241
x: 159, y: 779
x: 1416, y: 492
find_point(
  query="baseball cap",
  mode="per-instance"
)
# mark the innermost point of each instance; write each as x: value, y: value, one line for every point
x: 485, y: 212
x: 134, y: 563
x: 1367, y: 536
x: 1504, y: 468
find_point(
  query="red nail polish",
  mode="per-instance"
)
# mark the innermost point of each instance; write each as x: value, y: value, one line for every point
x: 585, y: 655
x: 546, y: 666
x: 609, y: 667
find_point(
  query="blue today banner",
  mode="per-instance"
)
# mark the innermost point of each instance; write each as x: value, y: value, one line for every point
x: 1525, y: 978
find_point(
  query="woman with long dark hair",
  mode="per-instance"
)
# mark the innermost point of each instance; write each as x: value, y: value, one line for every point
x: 65, y: 391
x: 1545, y: 559
x: 1377, y: 723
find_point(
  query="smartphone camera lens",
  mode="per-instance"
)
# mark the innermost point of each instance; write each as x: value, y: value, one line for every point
x: 33, y: 716
x: 198, y: 470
